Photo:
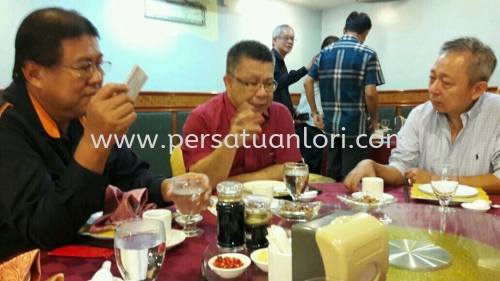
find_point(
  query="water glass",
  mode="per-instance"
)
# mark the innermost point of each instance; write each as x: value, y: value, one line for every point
x: 295, y: 176
x: 140, y: 248
x: 444, y: 182
x: 385, y: 123
x: 188, y: 193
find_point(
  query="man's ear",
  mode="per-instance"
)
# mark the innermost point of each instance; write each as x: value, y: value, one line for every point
x: 479, y: 89
x: 33, y: 73
x: 227, y: 81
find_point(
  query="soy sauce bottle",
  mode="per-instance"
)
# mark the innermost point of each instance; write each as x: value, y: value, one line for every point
x: 256, y: 221
x: 230, y: 216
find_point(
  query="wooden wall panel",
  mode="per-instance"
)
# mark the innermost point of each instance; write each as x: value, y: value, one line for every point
x: 185, y: 101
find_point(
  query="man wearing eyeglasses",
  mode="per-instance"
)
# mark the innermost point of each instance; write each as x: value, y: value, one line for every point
x: 283, y: 40
x: 53, y: 175
x: 236, y: 135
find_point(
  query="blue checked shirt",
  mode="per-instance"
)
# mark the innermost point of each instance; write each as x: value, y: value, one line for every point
x: 343, y: 70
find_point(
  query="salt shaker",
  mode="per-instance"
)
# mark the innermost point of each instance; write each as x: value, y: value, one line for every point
x: 230, y: 216
x: 256, y: 221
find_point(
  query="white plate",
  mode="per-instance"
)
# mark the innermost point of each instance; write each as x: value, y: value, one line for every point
x: 177, y: 237
x: 278, y: 186
x: 384, y: 195
x: 473, y: 207
x: 462, y: 190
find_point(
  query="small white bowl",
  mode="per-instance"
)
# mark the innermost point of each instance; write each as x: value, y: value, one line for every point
x: 308, y: 196
x: 475, y: 208
x: 231, y: 272
x: 260, y: 253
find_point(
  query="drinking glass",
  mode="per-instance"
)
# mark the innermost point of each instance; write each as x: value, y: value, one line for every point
x: 295, y: 176
x: 385, y: 123
x: 444, y: 182
x: 188, y: 193
x: 140, y: 248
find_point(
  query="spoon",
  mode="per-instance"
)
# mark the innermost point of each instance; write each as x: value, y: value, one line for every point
x: 496, y: 206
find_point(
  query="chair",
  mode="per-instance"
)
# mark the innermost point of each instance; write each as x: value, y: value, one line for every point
x: 177, y: 162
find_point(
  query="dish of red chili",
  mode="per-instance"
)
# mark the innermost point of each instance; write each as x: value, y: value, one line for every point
x: 227, y: 262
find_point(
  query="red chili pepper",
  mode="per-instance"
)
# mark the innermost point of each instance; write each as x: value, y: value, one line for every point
x: 227, y: 262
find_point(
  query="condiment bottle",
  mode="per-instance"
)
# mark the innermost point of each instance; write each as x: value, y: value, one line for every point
x: 230, y: 215
x: 256, y: 221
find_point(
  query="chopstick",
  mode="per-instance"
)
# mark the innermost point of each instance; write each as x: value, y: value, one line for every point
x: 405, y: 190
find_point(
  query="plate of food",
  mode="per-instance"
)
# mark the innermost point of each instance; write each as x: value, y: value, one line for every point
x: 463, y: 191
x: 367, y: 202
x: 299, y: 211
x: 279, y: 187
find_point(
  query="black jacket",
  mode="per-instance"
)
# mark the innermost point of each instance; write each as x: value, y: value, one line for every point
x: 45, y: 195
x: 285, y: 79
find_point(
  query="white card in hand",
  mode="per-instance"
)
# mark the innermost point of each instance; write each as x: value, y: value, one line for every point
x: 135, y: 80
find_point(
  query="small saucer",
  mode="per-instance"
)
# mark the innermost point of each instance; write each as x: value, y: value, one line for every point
x: 181, y: 220
x: 178, y: 237
x: 475, y: 208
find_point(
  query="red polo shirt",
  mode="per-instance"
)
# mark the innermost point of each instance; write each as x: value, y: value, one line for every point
x: 215, y: 116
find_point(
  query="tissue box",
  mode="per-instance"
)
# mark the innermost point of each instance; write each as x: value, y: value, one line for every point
x: 343, y: 244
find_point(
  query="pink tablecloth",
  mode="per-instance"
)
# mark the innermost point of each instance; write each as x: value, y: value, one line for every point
x: 183, y: 263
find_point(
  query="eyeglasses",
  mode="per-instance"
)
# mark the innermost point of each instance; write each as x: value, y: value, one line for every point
x: 86, y: 71
x: 254, y: 87
x: 288, y: 38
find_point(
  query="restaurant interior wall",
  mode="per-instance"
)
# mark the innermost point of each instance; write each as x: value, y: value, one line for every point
x: 407, y: 34
x: 177, y: 57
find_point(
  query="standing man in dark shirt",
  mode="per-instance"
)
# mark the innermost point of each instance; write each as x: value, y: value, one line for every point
x: 53, y: 173
x: 283, y: 40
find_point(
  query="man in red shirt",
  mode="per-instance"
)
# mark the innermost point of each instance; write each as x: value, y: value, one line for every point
x: 241, y: 134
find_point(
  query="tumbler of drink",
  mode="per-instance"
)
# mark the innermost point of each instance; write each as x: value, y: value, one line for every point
x: 295, y: 176
x: 140, y: 248
x: 444, y: 182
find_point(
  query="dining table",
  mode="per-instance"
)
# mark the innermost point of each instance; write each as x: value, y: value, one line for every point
x: 472, y: 238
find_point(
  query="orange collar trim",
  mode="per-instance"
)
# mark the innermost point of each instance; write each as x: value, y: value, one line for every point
x: 48, y: 123
x: 4, y: 107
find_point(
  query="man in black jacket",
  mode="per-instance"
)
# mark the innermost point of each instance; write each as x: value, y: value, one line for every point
x: 283, y: 40
x: 53, y: 173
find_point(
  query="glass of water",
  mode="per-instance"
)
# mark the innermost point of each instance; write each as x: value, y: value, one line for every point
x: 140, y: 248
x: 295, y: 176
x: 188, y: 193
x: 444, y: 182
x: 385, y: 123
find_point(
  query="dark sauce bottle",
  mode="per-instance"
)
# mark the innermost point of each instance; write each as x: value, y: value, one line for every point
x: 230, y: 216
x: 256, y: 221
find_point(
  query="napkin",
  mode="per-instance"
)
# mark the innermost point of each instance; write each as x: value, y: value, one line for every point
x: 82, y: 251
x: 25, y: 266
x: 121, y: 206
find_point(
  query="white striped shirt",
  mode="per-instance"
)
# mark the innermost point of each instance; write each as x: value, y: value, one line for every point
x: 425, y: 139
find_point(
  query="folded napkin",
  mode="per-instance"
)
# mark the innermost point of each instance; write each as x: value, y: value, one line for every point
x: 82, y: 251
x: 121, y: 206
x: 25, y: 267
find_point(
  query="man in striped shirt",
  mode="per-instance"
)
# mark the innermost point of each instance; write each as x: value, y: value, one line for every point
x: 459, y: 124
x: 348, y: 73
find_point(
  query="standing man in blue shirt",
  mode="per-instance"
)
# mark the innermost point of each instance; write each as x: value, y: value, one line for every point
x: 348, y: 73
